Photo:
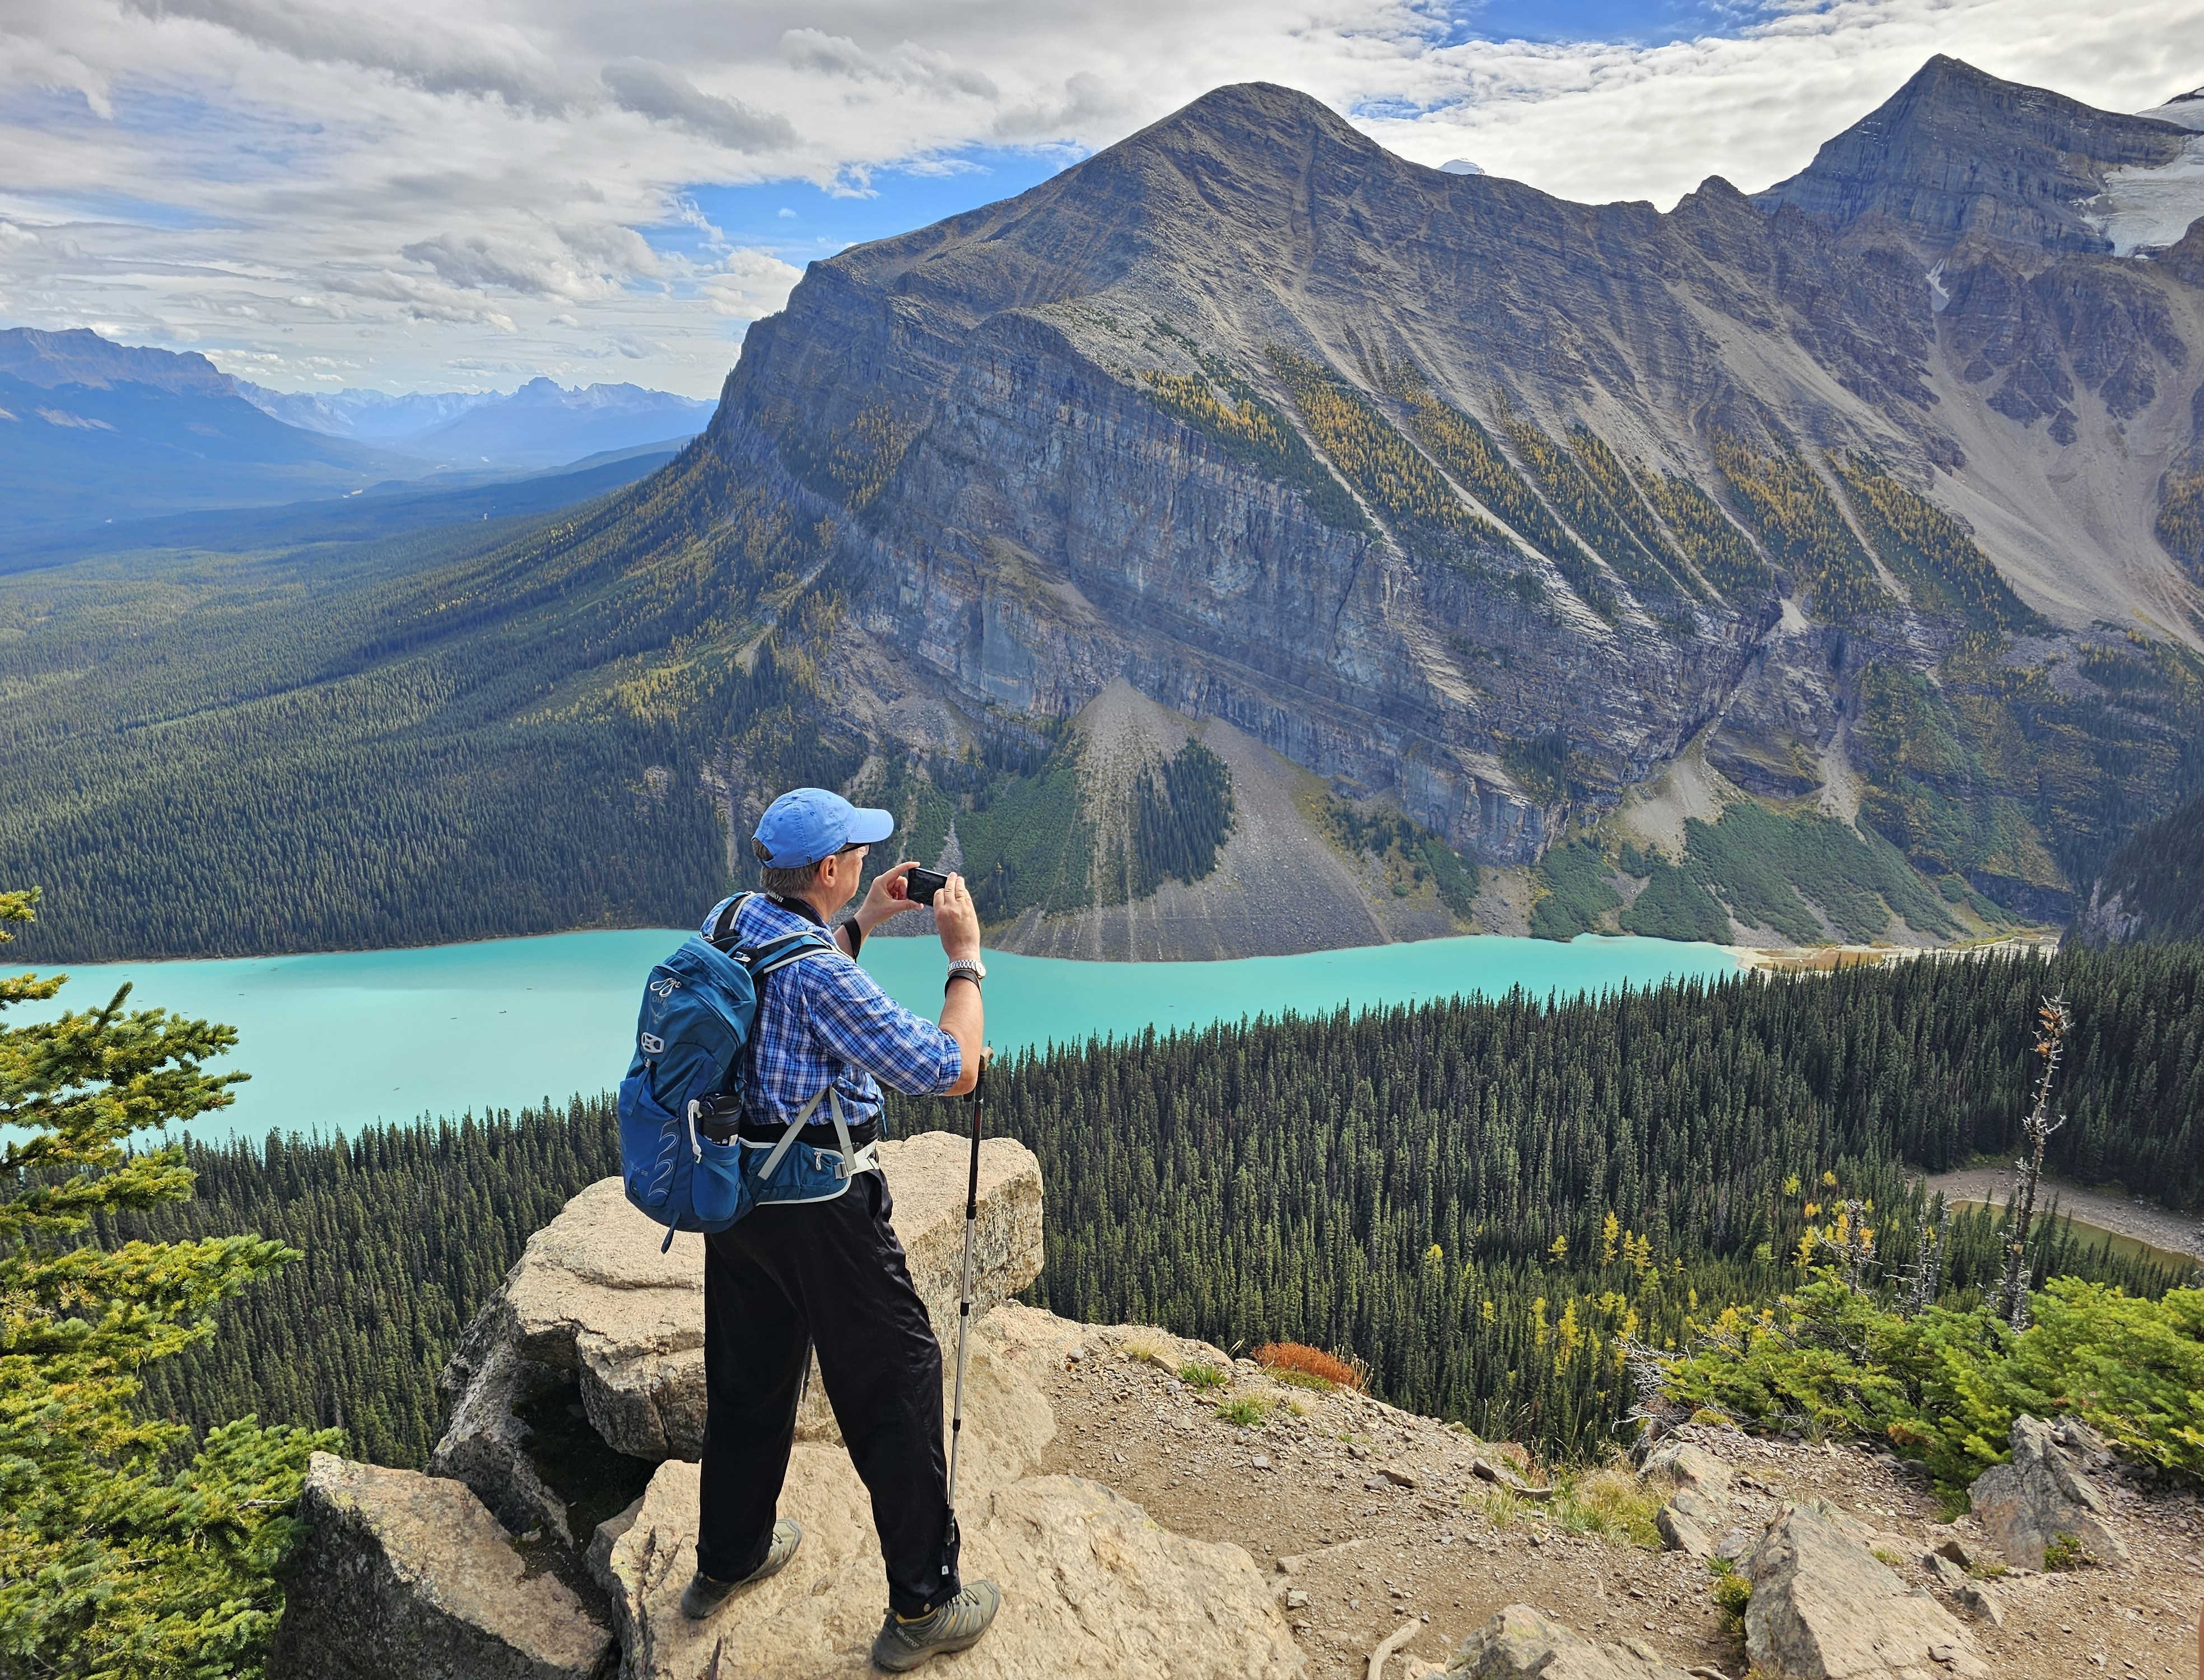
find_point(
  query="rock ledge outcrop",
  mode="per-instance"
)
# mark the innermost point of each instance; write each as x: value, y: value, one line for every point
x: 1093, y: 1586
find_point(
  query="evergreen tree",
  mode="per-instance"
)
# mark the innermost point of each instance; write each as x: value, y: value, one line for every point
x: 127, y: 1549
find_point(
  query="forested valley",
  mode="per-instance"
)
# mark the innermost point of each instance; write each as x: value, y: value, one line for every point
x: 1482, y: 1199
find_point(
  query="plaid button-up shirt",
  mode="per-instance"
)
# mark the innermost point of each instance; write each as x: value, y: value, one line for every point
x: 825, y: 1019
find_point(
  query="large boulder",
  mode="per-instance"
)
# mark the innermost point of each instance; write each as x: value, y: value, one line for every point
x: 404, y: 1574
x: 1091, y: 1585
x: 594, y: 1306
x: 1520, y: 1643
x: 1824, y: 1608
x: 2042, y: 1494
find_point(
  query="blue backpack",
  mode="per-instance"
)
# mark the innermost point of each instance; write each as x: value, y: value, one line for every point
x: 691, y: 1060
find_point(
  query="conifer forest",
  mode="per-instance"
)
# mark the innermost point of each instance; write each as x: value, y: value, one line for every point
x: 1484, y: 1199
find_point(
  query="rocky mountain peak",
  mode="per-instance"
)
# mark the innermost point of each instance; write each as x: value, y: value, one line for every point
x: 1956, y: 153
x: 1242, y: 112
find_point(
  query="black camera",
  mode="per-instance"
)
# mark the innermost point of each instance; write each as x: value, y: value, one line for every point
x: 920, y: 884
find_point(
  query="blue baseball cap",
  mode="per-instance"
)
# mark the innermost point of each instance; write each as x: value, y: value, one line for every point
x: 807, y: 824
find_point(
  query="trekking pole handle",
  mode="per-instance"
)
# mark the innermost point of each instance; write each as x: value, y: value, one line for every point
x: 978, y: 1101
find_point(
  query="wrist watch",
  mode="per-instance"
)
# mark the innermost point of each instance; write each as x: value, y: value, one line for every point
x: 970, y: 967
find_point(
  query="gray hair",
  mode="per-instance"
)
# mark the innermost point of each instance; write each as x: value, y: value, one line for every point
x: 789, y: 883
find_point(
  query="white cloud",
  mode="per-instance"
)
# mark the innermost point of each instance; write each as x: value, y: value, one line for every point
x: 666, y: 95
x: 413, y: 187
x: 749, y: 285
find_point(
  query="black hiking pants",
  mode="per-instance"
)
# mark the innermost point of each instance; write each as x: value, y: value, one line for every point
x: 833, y: 1274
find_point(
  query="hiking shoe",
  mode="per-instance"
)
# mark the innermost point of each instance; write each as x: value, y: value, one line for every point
x: 956, y: 1625
x: 703, y: 1595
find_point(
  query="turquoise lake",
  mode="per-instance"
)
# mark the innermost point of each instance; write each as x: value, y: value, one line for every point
x: 337, y: 1041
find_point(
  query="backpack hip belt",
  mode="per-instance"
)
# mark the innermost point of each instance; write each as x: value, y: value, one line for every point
x: 854, y: 1160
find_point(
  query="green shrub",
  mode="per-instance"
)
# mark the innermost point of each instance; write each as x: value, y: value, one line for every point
x: 2063, y: 1552
x: 1767, y: 865
x: 1945, y: 1385
x: 1247, y: 1414
x: 1028, y: 841
x: 1202, y: 1376
x: 1732, y: 1593
x: 1408, y: 850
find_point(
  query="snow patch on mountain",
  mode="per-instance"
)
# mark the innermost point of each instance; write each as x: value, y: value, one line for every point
x: 2187, y: 110
x: 2141, y: 210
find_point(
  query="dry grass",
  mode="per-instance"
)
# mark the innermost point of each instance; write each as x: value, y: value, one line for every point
x: 1612, y: 1501
x: 1287, y: 1360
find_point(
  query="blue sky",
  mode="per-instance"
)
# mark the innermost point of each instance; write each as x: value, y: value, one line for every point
x: 799, y: 221
x: 406, y: 194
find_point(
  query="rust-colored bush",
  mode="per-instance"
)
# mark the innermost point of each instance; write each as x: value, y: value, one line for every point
x: 1306, y: 1361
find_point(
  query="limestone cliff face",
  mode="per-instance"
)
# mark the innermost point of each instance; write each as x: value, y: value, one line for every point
x: 1181, y: 416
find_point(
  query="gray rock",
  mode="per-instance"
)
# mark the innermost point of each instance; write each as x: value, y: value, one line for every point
x: 593, y: 1305
x: 1954, y: 1547
x: 1985, y: 1602
x: 1520, y: 1643
x: 1823, y: 1608
x: 604, y: 1537
x: 1690, y: 1522
x: 408, y: 1576
x: 2041, y: 1493
x: 486, y: 1445
x: 1698, y: 1506
x: 1943, y: 1572
x: 1680, y: 1465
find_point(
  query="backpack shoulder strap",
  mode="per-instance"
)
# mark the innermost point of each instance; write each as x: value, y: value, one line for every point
x: 723, y: 925
x: 790, y: 948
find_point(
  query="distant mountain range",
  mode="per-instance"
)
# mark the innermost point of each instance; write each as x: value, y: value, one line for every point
x: 540, y: 424
x: 92, y: 432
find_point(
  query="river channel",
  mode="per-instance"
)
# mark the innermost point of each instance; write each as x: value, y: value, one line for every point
x: 344, y: 1039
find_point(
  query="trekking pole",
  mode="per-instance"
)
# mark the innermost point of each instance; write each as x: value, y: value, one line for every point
x: 964, y: 1290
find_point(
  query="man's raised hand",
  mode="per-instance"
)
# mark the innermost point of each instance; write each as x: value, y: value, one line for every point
x: 885, y: 897
x: 957, y: 920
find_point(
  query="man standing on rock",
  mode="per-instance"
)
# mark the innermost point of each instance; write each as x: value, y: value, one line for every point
x: 830, y: 1273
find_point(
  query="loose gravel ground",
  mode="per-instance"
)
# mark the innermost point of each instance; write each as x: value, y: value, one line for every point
x: 1372, y: 1518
